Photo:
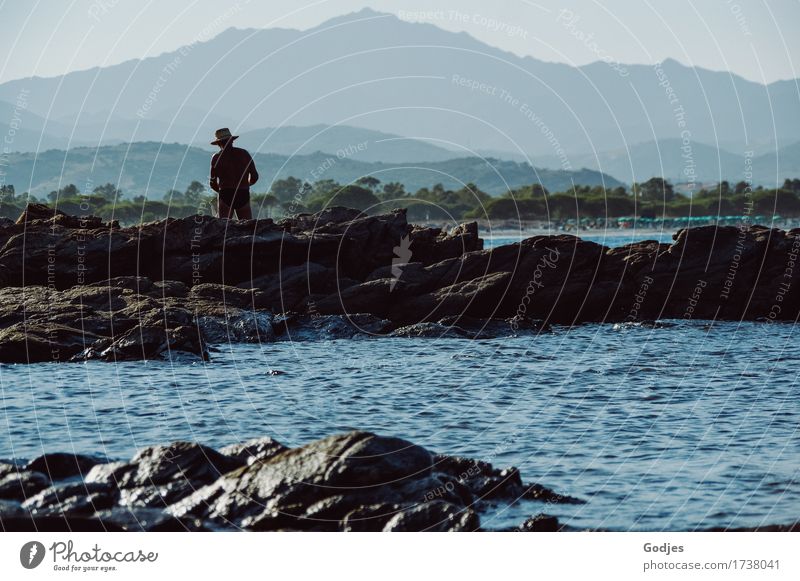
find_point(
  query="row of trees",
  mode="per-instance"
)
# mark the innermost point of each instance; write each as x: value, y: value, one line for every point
x: 108, y: 201
x: 655, y: 197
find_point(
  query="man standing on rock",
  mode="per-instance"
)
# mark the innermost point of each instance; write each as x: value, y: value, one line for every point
x: 232, y: 173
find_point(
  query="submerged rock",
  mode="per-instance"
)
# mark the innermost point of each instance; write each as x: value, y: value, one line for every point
x: 465, y: 327
x: 432, y: 330
x: 297, y: 327
x: 237, y: 327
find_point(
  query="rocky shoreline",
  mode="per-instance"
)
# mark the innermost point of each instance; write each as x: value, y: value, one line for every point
x: 350, y: 482
x: 357, y: 481
x: 75, y: 288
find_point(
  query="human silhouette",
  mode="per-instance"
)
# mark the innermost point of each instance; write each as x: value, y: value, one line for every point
x: 233, y: 171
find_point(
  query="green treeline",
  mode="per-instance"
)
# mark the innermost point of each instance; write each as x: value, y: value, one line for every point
x: 655, y: 198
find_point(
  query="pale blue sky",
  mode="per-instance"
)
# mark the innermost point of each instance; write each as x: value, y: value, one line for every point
x: 754, y: 38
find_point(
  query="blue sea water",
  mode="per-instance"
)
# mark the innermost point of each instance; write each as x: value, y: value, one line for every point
x: 686, y: 425
x: 610, y: 238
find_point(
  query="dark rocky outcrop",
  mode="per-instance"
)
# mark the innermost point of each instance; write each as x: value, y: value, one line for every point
x: 93, y: 290
x: 19, y: 485
x: 47, y: 247
x: 63, y: 464
x: 160, y: 475
x: 357, y: 481
x: 436, y: 516
x: 70, y: 498
x: 255, y: 450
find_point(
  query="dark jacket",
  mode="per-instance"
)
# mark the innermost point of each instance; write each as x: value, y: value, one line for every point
x: 232, y: 168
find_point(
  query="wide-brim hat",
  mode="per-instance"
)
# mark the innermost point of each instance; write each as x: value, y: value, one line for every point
x: 223, y: 134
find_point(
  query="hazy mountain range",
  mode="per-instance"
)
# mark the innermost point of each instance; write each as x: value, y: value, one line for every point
x: 700, y: 163
x: 416, y: 92
x: 154, y: 168
x: 664, y: 157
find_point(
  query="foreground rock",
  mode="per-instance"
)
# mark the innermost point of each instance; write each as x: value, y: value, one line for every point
x: 97, y: 291
x: 356, y: 481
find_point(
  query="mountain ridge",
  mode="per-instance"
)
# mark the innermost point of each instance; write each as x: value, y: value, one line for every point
x: 376, y: 72
x: 364, y: 46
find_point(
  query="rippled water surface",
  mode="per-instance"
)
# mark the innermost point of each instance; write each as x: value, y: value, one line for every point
x: 677, y: 427
x: 610, y: 238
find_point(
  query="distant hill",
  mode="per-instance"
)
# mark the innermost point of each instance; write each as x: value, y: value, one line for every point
x: 154, y: 168
x: 358, y: 143
x: 638, y: 162
x: 30, y: 140
x: 23, y: 130
x: 34, y: 133
x: 671, y: 159
x: 772, y: 168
